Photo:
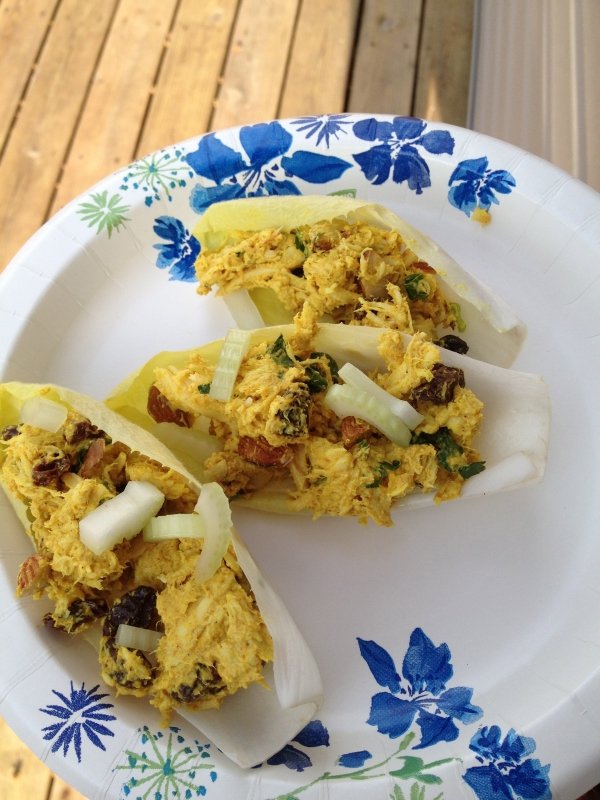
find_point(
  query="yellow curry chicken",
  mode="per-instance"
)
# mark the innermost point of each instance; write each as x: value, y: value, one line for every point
x: 350, y: 272
x: 210, y: 638
x: 278, y: 427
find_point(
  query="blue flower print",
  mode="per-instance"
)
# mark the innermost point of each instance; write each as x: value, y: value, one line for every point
x: 323, y: 126
x: 264, y: 167
x: 354, y: 760
x: 397, y: 150
x: 181, y: 250
x: 419, y: 694
x: 315, y: 734
x: 506, y: 771
x: 473, y: 185
x: 80, y: 712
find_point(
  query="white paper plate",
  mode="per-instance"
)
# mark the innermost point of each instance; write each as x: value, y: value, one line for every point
x: 460, y: 650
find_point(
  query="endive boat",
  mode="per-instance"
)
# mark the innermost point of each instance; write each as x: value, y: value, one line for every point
x: 352, y: 261
x: 340, y: 420
x: 137, y: 556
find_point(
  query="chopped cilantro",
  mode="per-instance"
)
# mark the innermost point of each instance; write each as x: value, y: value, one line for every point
x: 301, y: 244
x: 279, y: 354
x: 333, y: 367
x: 381, y: 472
x: 450, y: 454
x: 316, y: 376
x: 471, y: 469
x: 204, y: 388
x: 416, y: 286
x: 315, y: 379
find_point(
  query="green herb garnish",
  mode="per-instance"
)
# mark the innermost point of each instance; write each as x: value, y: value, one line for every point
x: 316, y: 375
x: 417, y: 287
x: 450, y: 454
x: 204, y: 388
x: 382, y: 470
x: 279, y: 354
x: 301, y: 244
x: 315, y: 379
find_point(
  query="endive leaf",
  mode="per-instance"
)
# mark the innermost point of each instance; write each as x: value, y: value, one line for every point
x: 514, y: 435
x: 257, y: 722
x: 494, y: 333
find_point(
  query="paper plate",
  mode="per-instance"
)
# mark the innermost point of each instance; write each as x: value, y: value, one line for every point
x: 460, y: 649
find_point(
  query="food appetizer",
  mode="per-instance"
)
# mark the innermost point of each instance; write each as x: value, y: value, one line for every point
x: 352, y: 262
x: 330, y: 419
x: 129, y: 544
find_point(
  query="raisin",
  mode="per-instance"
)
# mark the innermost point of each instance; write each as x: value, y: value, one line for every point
x: 137, y: 607
x: 454, y: 343
x: 10, y: 432
x: 440, y: 389
x: 208, y: 682
x: 49, y: 467
x: 80, y: 613
x: 129, y: 669
x: 82, y: 430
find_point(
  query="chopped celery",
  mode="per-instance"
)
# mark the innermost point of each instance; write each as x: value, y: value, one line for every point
x: 400, y: 408
x: 213, y: 509
x: 41, y: 412
x: 348, y: 401
x: 137, y: 638
x: 174, y: 526
x: 122, y: 517
x: 232, y: 353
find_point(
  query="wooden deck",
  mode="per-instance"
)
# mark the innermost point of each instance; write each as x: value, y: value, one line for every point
x: 87, y: 87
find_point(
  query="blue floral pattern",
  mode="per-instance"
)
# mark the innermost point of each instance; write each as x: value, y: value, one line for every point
x: 417, y: 707
x: 397, y: 152
x: 420, y: 694
x: 80, y: 712
x: 420, y: 711
x: 269, y: 159
x: 474, y: 186
x: 179, y: 251
x: 315, y: 734
x: 506, y: 771
x: 323, y: 127
x: 266, y: 165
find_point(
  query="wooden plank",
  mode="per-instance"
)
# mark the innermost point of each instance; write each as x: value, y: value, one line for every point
x: 444, y: 70
x: 256, y: 63
x: 110, y: 124
x: 60, y: 791
x: 386, y: 57
x: 23, y: 25
x: 22, y: 775
x: 182, y: 101
x: 321, y: 58
x: 39, y: 140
